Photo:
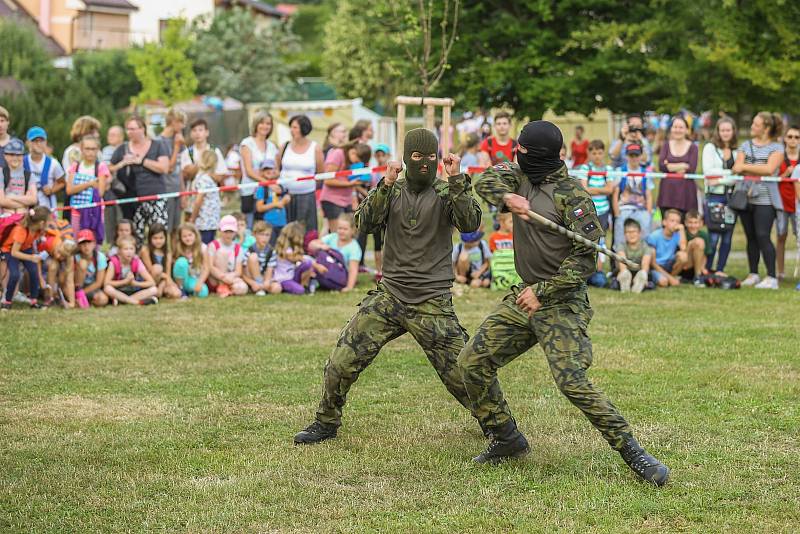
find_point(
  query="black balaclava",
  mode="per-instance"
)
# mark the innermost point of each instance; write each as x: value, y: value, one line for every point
x: 543, y: 141
x: 422, y: 141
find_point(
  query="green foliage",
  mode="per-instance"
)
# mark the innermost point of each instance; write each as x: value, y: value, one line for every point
x: 164, y: 70
x: 233, y: 57
x: 52, y: 97
x: 309, y: 25
x: 109, y: 73
x: 363, y: 57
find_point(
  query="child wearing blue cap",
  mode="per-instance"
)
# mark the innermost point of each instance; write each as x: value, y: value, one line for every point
x: 471, y: 260
x: 17, y: 189
x: 46, y: 171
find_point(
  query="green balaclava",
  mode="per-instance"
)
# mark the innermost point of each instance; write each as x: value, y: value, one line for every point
x: 422, y: 141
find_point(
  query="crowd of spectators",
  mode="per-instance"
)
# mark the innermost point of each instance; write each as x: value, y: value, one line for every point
x: 273, y: 241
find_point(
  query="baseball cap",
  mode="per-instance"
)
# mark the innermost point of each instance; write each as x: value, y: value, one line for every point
x: 268, y: 163
x: 36, y: 132
x: 15, y: 146
x: 468, y: 237
x: 382, y: 147
x: 228, y: 224
x: 85, y: 235
x: 634, y: 149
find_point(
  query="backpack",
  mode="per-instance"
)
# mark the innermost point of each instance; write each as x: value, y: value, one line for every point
x: 623, y: 182
x: 7, y: 178
x: 26, y: 164
x: 191, y: 151
x: 136, y: 265
x: 8, y: 223
x: 237, y: 248
x: 492, y: 154
x: 336, y: 277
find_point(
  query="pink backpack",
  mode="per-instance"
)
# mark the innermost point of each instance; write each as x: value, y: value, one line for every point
x: 136, y: 265
x: 237, y: 248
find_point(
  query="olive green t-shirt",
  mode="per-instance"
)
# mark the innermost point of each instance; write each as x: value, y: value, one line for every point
x: 418, y: 239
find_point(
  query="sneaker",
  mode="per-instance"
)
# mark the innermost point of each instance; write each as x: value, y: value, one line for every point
x: 5, y: 306
x: 224, y: 290
x: 36, y: 305
x: 751, y: 280
x: 151, y: 300
x: 21, y: 298
x: 643, y: 464
x: 698, y: 282
x: 316, y: 432
x: 639, y: 282
x: 624, y: 279
x: 767, y: 283
x: 261, y: 293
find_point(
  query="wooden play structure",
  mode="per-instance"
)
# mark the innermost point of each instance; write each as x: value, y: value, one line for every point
x: 429, y: 106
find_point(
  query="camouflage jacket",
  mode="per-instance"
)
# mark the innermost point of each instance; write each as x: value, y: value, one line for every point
x: 555, y: 263
x: 460, y: 206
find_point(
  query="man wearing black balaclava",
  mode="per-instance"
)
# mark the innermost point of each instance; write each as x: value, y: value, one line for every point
x: 550, y: 307
x: 417, y: 214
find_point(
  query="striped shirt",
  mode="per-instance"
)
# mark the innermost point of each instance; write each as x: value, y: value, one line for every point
x: 601, y: 203
x: 758, y: 155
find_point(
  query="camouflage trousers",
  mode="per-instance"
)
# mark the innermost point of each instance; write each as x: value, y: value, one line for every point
x: 381, y: 317
x: 560, y: 326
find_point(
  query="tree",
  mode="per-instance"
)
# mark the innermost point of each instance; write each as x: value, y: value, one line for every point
x: 110, y: 72
x: 378, y: 69
x: 164, y: 70
x: 52, y: 98
x: 233, y: 57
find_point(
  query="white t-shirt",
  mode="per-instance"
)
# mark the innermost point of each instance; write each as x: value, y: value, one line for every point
x: 185, y: 160
x: 56, y: 173
x: 257, y: 157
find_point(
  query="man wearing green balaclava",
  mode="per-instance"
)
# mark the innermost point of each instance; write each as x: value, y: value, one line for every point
x: 417, y: 214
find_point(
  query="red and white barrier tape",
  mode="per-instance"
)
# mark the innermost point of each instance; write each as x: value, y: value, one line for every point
x: 366, y: 171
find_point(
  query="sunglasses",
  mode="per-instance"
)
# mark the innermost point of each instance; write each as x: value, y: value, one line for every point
x: 793, y: 137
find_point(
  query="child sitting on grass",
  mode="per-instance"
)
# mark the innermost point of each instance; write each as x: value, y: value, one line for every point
x: 344, y: 264
x: 670, y: 245
x: 227, y: 259
x: 57, y: 249
x: 157, y: 259
x: 90, y: 271
x: 259, y: 260
x: 191, y: 268
x: 471, y: 260
x: 124, y: 229
x: 698, y: 246
x: 636, y: 250
x: 127, y: 279
x: 293, y: 271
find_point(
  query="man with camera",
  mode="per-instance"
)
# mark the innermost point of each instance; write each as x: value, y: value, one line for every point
x: 632, y: 132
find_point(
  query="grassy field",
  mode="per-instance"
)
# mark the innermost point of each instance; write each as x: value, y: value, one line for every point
x: 180, y: 417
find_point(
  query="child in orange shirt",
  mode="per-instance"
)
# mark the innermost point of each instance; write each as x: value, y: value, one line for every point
x: 503, y: 238
x: 17, y: 251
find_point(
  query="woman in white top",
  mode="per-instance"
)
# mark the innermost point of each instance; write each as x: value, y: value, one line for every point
x: 300, y: 157
x: 718, y: 158
x: 253, y: 151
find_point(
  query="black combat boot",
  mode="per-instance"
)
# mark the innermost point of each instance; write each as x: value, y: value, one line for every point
x: 507, y: 442
x: 315, y: 433
x: 643, y: 464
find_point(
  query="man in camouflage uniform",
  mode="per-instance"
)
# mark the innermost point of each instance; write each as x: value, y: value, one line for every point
x: 418, y: 213
x: 551, y: 307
